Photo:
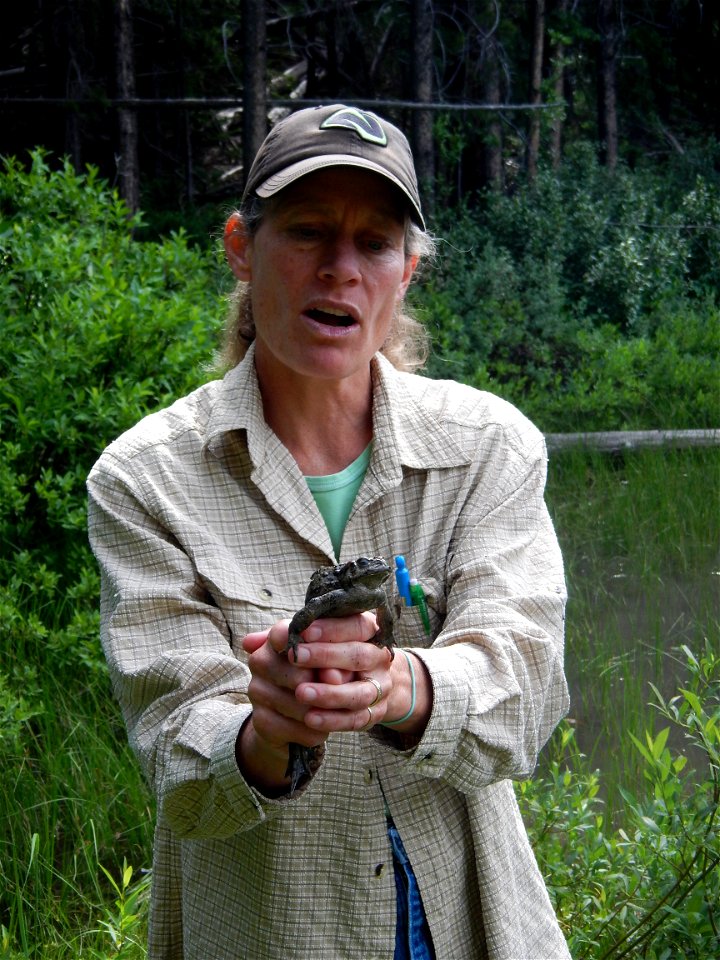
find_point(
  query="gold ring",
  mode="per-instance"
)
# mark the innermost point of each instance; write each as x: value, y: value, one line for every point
x: 378, y: 688
x: 370, y: 719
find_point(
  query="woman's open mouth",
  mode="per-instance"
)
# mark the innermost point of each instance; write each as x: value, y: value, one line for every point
x: 331, y: 318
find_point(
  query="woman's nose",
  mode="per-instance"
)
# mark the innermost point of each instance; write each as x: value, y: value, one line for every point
x: 341, y: 262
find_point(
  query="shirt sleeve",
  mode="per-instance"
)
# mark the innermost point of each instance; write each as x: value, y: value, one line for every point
x: 496, y: 667
x: 182, y: 691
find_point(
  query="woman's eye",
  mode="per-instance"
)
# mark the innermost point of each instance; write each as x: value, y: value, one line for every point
x: 306, y: 232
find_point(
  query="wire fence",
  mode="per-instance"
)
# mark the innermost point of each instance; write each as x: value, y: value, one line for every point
x: 226, y: 103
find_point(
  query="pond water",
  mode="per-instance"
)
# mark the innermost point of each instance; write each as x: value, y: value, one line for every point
x: 623, y: 635
x: 640, y: 533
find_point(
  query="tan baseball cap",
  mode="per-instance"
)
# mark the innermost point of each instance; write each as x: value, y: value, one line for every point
x: 332, y: 136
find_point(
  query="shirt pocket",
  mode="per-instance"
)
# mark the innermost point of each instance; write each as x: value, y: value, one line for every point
x: 409, y: 629
x: 250, y: 597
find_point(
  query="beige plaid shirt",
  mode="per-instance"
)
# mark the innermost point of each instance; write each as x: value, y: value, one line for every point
x: 205, y: 530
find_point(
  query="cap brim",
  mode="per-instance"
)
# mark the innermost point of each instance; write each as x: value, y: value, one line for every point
x: 284, y: 178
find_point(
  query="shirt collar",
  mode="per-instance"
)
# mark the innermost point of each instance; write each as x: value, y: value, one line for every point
x: 406, y: 432
x: 239, y: 407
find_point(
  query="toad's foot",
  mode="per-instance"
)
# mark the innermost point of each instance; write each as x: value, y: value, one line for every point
x: 301, y: 761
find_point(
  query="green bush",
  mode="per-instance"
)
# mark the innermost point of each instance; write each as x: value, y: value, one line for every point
x: 98, y: 329
x: 648, y: 885
x: 670, y: 379
x: 589, y: 299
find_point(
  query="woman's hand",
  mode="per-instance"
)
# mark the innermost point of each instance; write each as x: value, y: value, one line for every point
x: 338, y: 694
x: 302, y: 702
x: 326, y: 690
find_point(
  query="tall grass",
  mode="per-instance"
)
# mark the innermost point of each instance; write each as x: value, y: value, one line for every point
x: 72, y: 806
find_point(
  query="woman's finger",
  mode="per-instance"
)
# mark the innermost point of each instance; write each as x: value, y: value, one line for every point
x: 253, y: 641
x: 356, y: 628
x: 333, y: 721
x: 347, y: 696
x: 353, y: 656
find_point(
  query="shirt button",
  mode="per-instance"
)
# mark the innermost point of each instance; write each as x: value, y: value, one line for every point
x: 380, y: 870
x: 266, y: 594
x: 368, y: 777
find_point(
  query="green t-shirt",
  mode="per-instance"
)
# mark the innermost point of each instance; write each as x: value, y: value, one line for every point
x: 335, y: 494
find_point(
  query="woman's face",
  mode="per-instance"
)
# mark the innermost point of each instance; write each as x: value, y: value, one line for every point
x: 327, y: 267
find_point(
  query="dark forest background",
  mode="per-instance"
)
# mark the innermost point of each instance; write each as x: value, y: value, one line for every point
x: 169, y: 98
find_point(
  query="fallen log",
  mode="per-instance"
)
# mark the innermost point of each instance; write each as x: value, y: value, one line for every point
x: 615, y: 441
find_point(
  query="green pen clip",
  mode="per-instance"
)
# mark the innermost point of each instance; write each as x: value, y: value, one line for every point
x: 417, y: 599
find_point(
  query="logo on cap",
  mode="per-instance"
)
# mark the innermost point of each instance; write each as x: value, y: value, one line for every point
x: 365, y: 124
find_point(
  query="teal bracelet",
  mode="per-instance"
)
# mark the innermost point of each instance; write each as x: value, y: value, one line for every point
x: 394, y: 723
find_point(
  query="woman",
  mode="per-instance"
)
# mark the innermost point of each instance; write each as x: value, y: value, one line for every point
x: 208, y: 519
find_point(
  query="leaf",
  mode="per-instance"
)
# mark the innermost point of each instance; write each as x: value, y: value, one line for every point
x: 694, y: 701
x: 644, y: 752
x: 658, y: 745
x: 692, y: 659
x: 679, y: 763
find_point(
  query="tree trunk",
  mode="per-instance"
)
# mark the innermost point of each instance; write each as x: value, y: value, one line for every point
x: 615, y: 441
x: 486, y: 155
x: 536, y: 63
x: 185, y: 129
x: 558, y: 69
x: 607, y: 81
x: 311, y: 56
x: 422, y: 87
x: 492, y: 148
x: 254, y: 85
x: 76, y: 84
x: 127, y: 161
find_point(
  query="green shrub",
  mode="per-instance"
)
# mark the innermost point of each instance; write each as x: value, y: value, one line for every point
x: 98, y: 329
x: 589, y: 299
x: 670, y: 379
x: 650, y: 884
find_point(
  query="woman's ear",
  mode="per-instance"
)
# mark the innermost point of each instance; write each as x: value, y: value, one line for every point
x: 237, y: 247
x: 411, y: 263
